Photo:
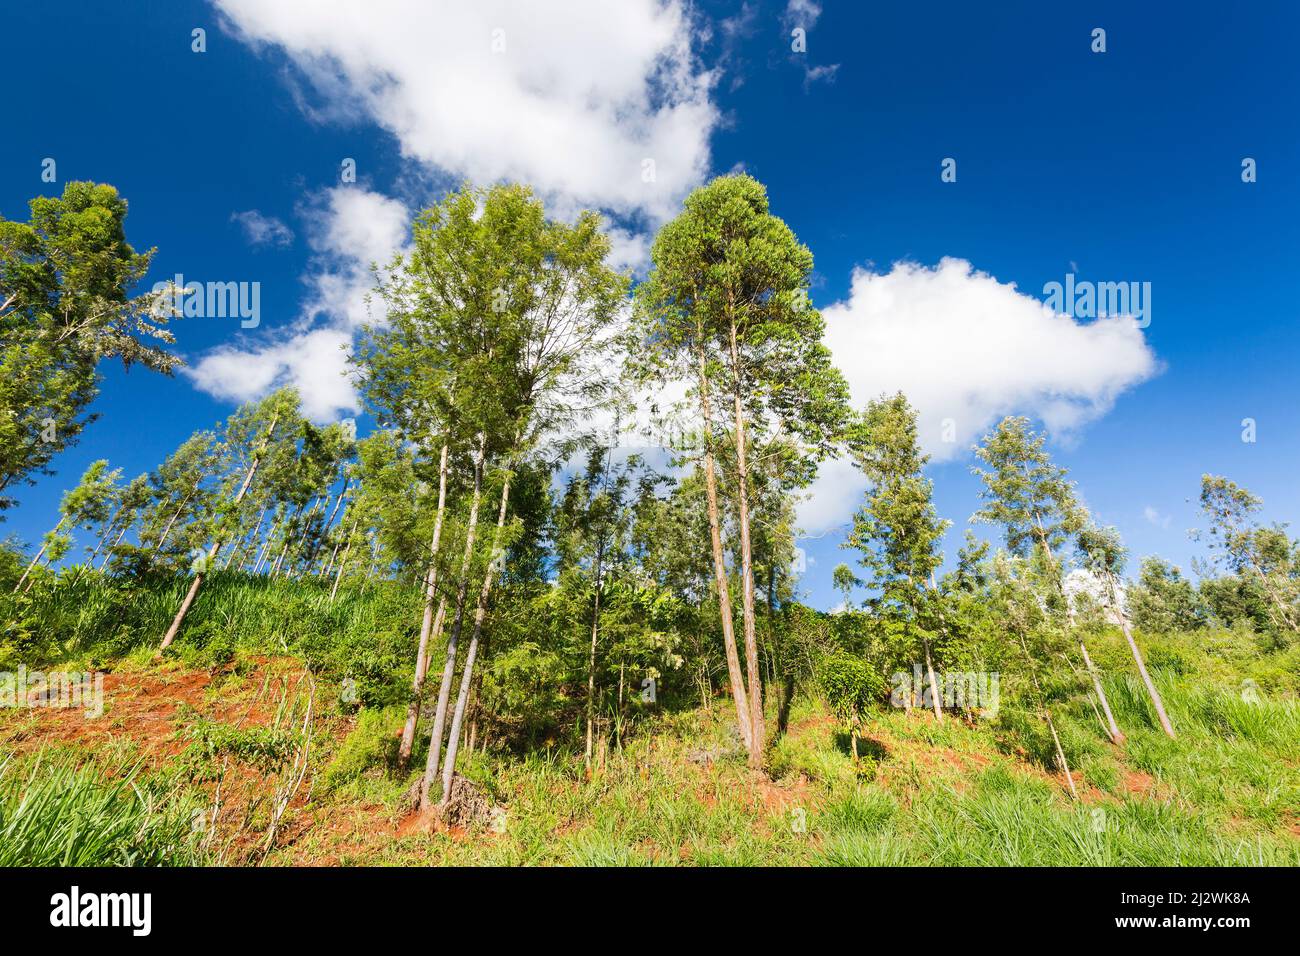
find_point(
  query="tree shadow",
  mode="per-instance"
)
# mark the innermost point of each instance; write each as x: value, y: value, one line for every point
x: 867, y: 746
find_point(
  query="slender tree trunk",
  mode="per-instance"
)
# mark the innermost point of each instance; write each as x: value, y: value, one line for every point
x: 118, y: 540
x: 251, y: 536
x: 935, y: 702
x: 591, y: 662
x: 1051, y: 724
x: 1116, y: 735
x: 595, y: 618
x: 108, y: 529
x: 449, y: 665
x: 167, y: 529
x: 39, y: 554
x: 1112, y: 728
x: 1137, y: 656
x: 467, y: 673
x: 216, y: 545
x: 734, y: 673
x: 266, y: 547
x: 426, y: 621
x: 343, y: 562
x: 747, y: 570
x: 311, y: 561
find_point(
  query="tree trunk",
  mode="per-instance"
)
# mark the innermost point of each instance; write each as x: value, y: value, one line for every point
x: 426, y: 620
x: 109, y: 553
x: 1141, y: 663
x: 595, y: 616
x: 216, y: 545
x: 934, y: 685
x: 1112, y: 728
x: 343, y: 562
x: 467, y: 673
x: 251, y: 536
x: 1116, y: 735
x: 39, y: 555
x: 167, y: 529
x: 591, y: 662
x: 734, y: 674
x: 449, y: 665
x: 747, y: 570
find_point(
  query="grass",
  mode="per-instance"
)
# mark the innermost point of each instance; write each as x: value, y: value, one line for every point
x: 1226, y: 791
x: 59, y: 814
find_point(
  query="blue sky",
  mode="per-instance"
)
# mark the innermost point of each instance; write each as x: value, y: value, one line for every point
x: 1116, y: 166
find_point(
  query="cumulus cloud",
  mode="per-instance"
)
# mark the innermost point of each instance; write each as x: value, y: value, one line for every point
x: 967, y: 349
x: 572, y: 98
x: 261, y: 230
x: 355, y: 228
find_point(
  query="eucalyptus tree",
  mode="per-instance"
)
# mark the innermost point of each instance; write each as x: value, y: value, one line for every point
x: 1265, y: 555
x: 505, y: 315
x: 555, y: 309
x: 130, y: 502
x: 89, y: 503
x: 66, y: 277
x: 439, y: 303
x: 1104, y: 556
x: 258, y: 431
x: 591, y: 527
x: 1035, y: 503
x: 726, y: 309
x: 181, y: 490
x: 896, y: 530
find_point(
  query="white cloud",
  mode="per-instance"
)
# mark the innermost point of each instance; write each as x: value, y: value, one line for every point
x: 571, y: 98
x: 356, y: 228
x: 967, y: 350
x: 1154, y: 517
x: 262, y: 230
x: 802, y: 13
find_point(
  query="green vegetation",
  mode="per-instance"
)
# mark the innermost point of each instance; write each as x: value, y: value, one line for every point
x: 485, y: 633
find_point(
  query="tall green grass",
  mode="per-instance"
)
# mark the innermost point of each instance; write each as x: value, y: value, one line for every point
x: 59, y: 814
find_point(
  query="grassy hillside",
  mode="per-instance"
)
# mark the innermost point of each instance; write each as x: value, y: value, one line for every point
x: 269, y: 736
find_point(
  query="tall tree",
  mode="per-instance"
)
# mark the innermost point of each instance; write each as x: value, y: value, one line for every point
x: 1264, y: 555
x: 897, y: 530
x: 726, y: 308
x: 66, y: 277
x: 1034, y: 502
x: 257, y: 431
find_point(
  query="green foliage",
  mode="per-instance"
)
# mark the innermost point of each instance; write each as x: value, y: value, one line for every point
x: 371, y: 743
x: 59, y: 814
x: 65, y: 282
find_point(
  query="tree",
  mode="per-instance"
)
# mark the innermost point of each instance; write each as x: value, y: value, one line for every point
x: 1104, y: 553
x: 65, y: 304
x: 726, y: 308
x: 181, y: 492
x: 130, y: 501
x: 257, y: 431
x: 510, y: 313
x: 89, y: 503
x: 1266, y: 555
x: 1034, y: 502
x: 1163, y: 600
x: 896, y: 530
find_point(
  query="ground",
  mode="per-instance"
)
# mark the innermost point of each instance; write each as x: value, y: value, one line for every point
x: 228, y: 739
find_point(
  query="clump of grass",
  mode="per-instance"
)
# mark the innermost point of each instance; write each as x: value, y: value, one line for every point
x: 59, y: 814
